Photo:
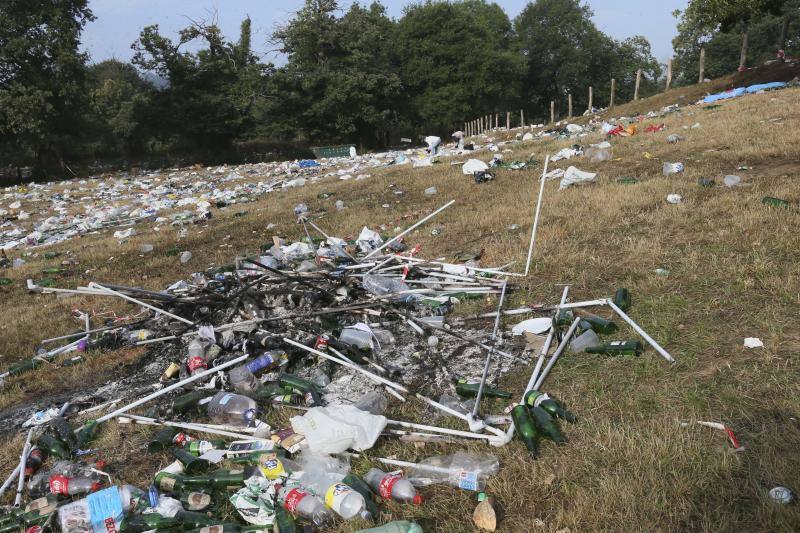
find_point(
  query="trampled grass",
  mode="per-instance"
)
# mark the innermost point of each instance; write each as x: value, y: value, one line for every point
x: 629, y: 465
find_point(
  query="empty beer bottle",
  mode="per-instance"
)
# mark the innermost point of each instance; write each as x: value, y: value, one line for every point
x: 284, y: 521
x: 169, y: 482
x: 267, y: 391
x: 597, y: 323
x: 34, y: 462
x: 24, y: 366
x: 540, y: 399
x: 775, y: 202
x: 622, y: 299
x: 526, y: 429
x: 546, y: 425
x: 147, y: 522
x: 221, y: 528
x: 163, y: 439
x: 629, y: 348
x: 53, y: 447
x: 564, y: 318
x: 193, y: 520
x: 192, y: 464
x: 307, y: 388
x: 469, y: 389
x: 218, y: 480
x: 87, y: 432
x: 188, y: 402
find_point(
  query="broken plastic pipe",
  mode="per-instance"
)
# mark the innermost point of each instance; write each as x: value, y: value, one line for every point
x: 410, y: 229
x: 557, y: 353
x: 23, y: 458
x: 536, y: 217
x: 657, y: 347
x: 136, y: 419
x: 545, y: 348
x: 94, y: 285
x: 491, y: 352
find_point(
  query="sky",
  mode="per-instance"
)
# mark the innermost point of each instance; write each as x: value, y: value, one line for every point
x: 119, y: 21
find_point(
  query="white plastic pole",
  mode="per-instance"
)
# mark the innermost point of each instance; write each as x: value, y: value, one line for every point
x: 490, y: 353
x: 436, y: 429
x: 23, y: 458
x: 640, y: 331
x: 94, y: 285
x: 536, y: 217
x: 545, y: 348
x: 153, y: 396
x: 7, y: 483
x: 410, y: 229
x: 557, y: 353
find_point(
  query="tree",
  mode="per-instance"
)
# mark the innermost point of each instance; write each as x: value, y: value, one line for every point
x: 210, y: 94
x: 340, y: 82
x: 42, y: 80
x: 457, y: 61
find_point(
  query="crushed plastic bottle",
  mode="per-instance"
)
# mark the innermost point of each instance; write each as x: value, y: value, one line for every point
x: 382, y: 285
x: 302, y: 503
x: 233, y: 409
x: 392, y: 486
x: 463, y: 470
x: 672, y: 168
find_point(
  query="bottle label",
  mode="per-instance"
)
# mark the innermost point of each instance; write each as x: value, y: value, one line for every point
x: 142, y: 334
x: 293, y: 499
x: 386, y: 484
x: 260, y: 363
x: 617, y: 343
x: 225, y: 399
x: 539, y: 399
x: 201, y: 446
x: 196, y: 362
x: 271, y: 467
x: 59, y: 485
x: 105, y: 510
x: 335, y: 495
x: 197, y: 501
x: 467, y: 480
x: 37, y: 505
x: 166, y: 483
x: 182, y: 438
x: 212, y: 529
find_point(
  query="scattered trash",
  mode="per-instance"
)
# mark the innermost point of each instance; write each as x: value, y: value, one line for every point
x: 674, y: 198
x: 674, y: 139
x: 145, y: 248
x: 483, y: 177
x: 430, y: 191
x: 484, y: 515
x: 186, y: 257
x: 598, y: 155
x: 672, y: 168
x: 775, y: 202
x: 737, y: 446
x: 662, y: 271
x: 573, y: 176
x: 536, y: 326
x: 706, y: 182
x: 781, y: 495
x: 339, y: 205
x: 732, y: 181
x: 473, y: 166
x: 753, y: 342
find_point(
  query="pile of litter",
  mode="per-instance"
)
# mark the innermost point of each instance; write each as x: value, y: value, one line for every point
x: 334, y: 333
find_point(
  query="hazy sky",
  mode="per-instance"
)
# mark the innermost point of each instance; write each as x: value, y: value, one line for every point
x: 119, y: 21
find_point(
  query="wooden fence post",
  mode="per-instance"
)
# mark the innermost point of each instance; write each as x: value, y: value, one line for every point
x: 508, y: 120
x: 522, y: 119
x: 613, y: 90
x: 591, y: 100
x: 669, y: 74
x: 569, y: 105
x: 638, y: 82
x: 552, y: 112
x: 497, y: 120
x: 702, y: 65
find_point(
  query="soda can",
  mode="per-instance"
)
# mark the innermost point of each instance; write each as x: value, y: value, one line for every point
x: 322, y: 343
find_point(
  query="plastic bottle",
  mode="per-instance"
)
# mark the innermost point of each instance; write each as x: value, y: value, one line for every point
x: 381, y: 285
x: 304, y: 504
x: 139, y: 335
x: 356, y: 337
x: 196, y: 356
x: 392, y: 485
x: 243, y: 378
x: 344, y: 500
x: 587, y: 339
x: 65, y: 486
x: 233, y: 409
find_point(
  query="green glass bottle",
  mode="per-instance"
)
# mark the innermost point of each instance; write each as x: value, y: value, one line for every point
x: 162, y: 440
x: 361, y: 487
x: 194, y: 520
x: 622, y: 299
x: 627, y: 181
x: 226, y: 527
x: 299, y: 384
x: 564, y: 318
x: 14, y: 526
x: 775, y: 202
x: 5, y: 281
x: 24, y: 366
x: 267, y: 391
x: 540, y: 399
x: 628, y: 348
x: 218, y: 480
x: 469, y: 389
x: 199, y: 447
x: 255, y: 458
x: 87, y: 432
x: 546, y: 425
x: 188, y: 402
x: 169, y: 482
x: 53, y: 447
x: 147, y: 522
x: 526, y: 429
x: 192, y: 464
x: 284, y: 521
x: 597, y: 323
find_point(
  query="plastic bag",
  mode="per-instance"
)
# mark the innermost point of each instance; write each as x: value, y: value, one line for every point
x: 335, y: 428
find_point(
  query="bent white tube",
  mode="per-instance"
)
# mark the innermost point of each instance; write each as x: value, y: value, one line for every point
x: 536, y: 217
x: 135, y: 419
x: 94, y: 285
x: 640, y: 331
x: 23, y: 458
x: 545, y: 348
x: 436, y: 429
x: 557, y: 353
x: 410, y: 229
x: 7, y: 483
x: 172, y: 387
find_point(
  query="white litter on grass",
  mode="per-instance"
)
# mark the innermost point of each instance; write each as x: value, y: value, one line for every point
x: 674, y: 198
x: 753, y: 342
x: 537, y: 326
x: 474, y: 165
x: 573, y: 176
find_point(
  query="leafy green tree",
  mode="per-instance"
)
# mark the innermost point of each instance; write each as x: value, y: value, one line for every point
x: 340, y: 82
x: 457, y: 62
x: 42, y: 80
x: 210, y: 95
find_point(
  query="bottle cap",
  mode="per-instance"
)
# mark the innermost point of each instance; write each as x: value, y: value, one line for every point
x: 418, y: 499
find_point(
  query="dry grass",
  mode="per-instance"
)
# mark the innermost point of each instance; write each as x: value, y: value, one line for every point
x: 628, y: 465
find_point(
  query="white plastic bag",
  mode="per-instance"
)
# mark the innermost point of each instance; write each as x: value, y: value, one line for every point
x: 335, y: 428
x: 573, y: 176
